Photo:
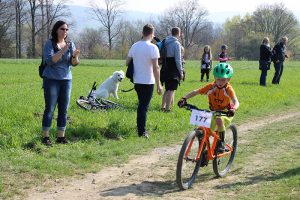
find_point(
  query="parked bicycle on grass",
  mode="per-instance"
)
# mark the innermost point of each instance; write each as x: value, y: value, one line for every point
x: 96, y: 104
x: 223, y: 104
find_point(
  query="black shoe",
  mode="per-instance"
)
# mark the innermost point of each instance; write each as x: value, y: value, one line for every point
x: 61, y: 140
x: 46, y: 141
x: 220, y: 146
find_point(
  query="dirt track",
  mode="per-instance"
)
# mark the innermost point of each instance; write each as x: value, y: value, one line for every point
x: 151, y: 176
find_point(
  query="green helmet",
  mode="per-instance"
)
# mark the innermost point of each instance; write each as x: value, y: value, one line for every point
x: 223, y: 70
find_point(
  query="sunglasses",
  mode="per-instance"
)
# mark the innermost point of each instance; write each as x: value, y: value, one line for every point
x: 64, y: 29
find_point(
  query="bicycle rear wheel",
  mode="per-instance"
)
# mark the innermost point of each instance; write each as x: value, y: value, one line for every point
x: 187, y: 165
x: 109, y: 104
x: 222, y: 164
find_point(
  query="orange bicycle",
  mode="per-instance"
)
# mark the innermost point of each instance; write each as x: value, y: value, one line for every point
x: 199, y: 148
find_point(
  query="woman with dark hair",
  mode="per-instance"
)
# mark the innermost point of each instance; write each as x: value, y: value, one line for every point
x: 59, y: 56
x: 264, y: 60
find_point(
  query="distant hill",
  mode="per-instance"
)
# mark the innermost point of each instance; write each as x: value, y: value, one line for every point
x: 82, y: 17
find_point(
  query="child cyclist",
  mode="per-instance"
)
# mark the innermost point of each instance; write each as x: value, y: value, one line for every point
x: 221, y: 96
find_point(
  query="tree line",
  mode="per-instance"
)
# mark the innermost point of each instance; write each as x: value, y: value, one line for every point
x: 25, y: 25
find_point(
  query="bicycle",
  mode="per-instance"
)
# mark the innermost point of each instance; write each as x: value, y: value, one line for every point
x: 96, y: 104
x: 199, y: 148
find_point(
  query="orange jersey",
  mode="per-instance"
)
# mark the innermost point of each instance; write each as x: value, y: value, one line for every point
x: 219, y: 98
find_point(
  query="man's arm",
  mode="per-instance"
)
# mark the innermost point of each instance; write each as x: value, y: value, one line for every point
x: 178, y: 59
x: 156, y: 73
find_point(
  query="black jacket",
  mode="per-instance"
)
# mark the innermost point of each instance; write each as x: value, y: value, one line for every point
x: 279, y: 52
x: 265, y: 53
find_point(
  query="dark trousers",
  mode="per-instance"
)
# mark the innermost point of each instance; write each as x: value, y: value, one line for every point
x: 263, y: 77
x: 144, y: 92
x: 278, y: 72
x: 205, y: 71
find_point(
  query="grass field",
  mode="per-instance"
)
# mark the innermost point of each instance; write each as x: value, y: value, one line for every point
x: 105, y: 138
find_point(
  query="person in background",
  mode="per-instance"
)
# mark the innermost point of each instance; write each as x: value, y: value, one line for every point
x: 57, y: 80
x: 278, y: 59
x: 264, y: 60
x: 145, y: 74
x: 206, y: 63
x: 172, y: 70
x: 223, y: 56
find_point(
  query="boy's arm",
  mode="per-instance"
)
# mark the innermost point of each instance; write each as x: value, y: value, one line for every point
x: 191, y: 94
x: 236, y: 103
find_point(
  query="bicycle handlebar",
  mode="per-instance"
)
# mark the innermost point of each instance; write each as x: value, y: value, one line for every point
x: 217, y: 112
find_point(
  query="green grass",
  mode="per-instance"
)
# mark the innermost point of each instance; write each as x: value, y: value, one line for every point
x: 107, y: 138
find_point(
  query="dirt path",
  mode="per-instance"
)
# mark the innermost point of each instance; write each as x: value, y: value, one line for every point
x: 151, y: 176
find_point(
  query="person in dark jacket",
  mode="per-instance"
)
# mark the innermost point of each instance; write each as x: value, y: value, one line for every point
x: 279, y: 57
x: 264, y: 60
x: 172, y: 70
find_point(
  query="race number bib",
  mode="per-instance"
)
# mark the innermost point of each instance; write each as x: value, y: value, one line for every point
x: 201, y: 118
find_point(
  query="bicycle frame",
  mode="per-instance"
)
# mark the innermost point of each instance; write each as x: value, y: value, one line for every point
x: 207, y: 133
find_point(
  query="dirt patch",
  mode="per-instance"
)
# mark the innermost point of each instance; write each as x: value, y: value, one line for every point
x: 151, y: 176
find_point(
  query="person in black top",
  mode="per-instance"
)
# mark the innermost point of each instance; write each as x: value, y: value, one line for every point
x: 279, y: 57
x: 264, y: 60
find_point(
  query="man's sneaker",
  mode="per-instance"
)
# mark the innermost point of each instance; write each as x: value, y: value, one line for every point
x: 220, y: 147
x: 46, y: 141
x: 61, y: 140
x: 145, y: 135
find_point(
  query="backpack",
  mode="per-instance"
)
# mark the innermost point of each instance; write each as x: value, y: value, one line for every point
x: 43, y: 65
x: 162, y: 52
x: 129, y: 71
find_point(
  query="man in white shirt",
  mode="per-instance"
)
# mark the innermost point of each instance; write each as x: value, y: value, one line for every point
x: 145, y: 74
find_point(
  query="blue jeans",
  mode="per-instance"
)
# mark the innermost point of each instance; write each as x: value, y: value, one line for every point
x: 56, y: 92
x: 144, y: 93
x: 278, y: 72
x: 263, y: 77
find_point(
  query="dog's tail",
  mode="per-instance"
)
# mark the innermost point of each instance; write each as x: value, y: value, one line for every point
x: 127, y: 90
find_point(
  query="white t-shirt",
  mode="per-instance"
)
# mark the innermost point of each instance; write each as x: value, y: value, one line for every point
x: 142, y: 53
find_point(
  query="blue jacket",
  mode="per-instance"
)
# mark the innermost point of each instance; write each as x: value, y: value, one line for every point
x: 174, y: 50
x: 60, y: 70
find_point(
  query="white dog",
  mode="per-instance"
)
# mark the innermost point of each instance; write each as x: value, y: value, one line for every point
x: 110, y: 86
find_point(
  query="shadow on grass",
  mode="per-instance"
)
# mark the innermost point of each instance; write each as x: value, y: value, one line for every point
x: 114, y: 131
x: 249, y: 83
x: 260, y: 178
x: 146, y: 188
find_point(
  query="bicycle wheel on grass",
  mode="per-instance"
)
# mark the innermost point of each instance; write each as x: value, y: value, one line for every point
x: 87, y: 105
x: 187, y: 165
x: 84, y: 104
x: 109, y: 104
x: 222, y: 164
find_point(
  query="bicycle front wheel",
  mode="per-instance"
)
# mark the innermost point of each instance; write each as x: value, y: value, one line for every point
x: 187, y: 164
x: 84, y: 104
x: 223, y: 162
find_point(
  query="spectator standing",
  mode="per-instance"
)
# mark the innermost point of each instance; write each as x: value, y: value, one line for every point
x: 145, y: 74
x: 279, y: 57
x: 57, y: 80
x: 172, y: 69
x: 264, y: 60
x: 223, y: 56
x: 206, y: 63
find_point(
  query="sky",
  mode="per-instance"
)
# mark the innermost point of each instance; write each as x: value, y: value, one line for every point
x: 157, y: 6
